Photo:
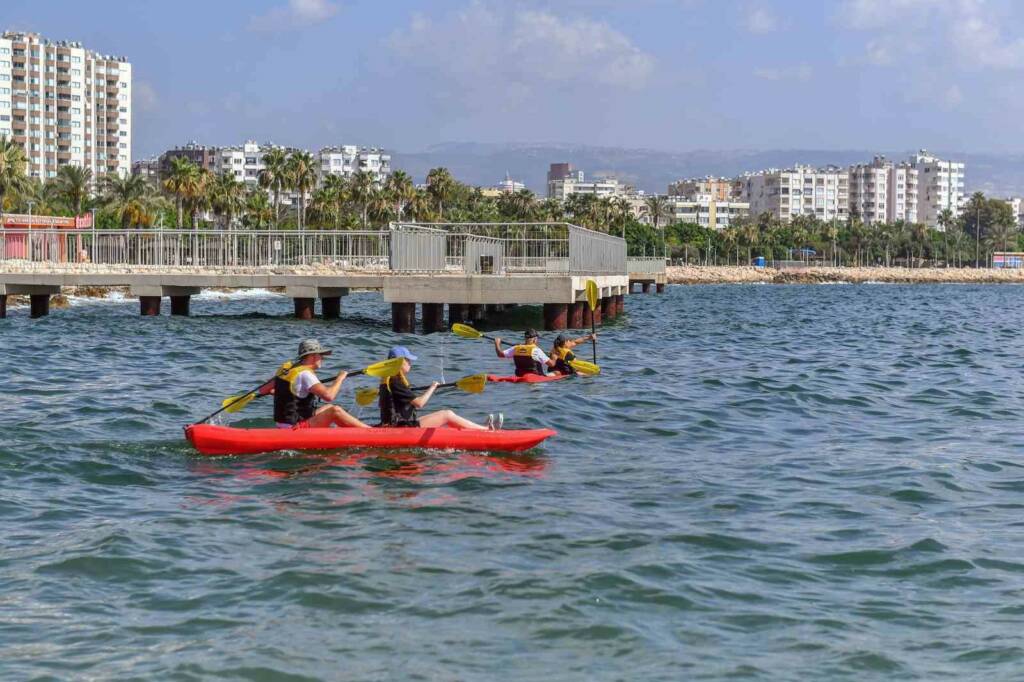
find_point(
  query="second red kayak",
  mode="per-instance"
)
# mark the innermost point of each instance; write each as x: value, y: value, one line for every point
x: 210, y: 439
x: 528, y: 378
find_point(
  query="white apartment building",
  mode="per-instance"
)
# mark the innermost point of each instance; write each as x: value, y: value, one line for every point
x: 65, y: 104
x: 345, y: 160
x: 881, y: 191
x: 562, y: 188
x: 940, y: 187
x: 245, y: 162
x: 707, y: 210
x: 802, y: 190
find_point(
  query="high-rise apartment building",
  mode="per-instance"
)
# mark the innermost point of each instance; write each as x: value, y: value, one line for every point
x: 940, y: 187
x: 66, y: 105
x: 345, y: 160
x: 882, y: 191
x: 802, y: 190
x: 718, y: 189
x: 564, y: 180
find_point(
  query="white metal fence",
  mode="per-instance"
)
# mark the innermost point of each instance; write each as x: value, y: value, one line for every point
x: 645, y: 265
x: 477, y: 248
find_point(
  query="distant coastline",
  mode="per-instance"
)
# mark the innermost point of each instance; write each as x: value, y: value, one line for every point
x: 849, y: 275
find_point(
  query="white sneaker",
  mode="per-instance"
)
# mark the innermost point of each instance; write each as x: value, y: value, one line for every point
x: 501, y: 421
x: 490, y: 422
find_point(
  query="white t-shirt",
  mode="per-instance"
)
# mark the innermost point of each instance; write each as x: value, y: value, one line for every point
x: 537, y: 354
x: 305, y: 381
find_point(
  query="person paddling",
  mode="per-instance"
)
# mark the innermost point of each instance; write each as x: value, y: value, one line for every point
x: 527, y: 356
x: 399, y: 405
x: 562, y: 352
x: 296, y: 389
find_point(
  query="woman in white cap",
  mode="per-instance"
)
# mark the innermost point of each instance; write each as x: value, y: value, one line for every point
x: 296, y: 389
x: 398, y: 404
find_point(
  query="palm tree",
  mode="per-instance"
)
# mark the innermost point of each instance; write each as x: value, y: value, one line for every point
x: 999, y: 235
x: 258, y: 211
x: 274, y: 177
x: 658, y: 207
x: 301, y: 178
x: 362, y: 189
x: 420, y: 207
x: 919, y: 235
x: 440, y: 186
x: 227, y: 197
x: 183, y: 182
x: 13, y: 165
x: 71, y: 186
x: 130, y: 198
x: 400, y: 190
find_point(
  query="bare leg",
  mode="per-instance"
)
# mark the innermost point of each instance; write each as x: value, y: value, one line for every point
x: 332, y: 414
x: 447, y: 417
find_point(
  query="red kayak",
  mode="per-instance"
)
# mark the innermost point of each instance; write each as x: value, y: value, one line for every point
x: 528, y: 378
x: 209, y: 439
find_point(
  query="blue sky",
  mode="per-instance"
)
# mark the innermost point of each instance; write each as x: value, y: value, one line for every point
x: 666, y: 74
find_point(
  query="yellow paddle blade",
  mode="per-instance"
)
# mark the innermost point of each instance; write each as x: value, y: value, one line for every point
x: 366, y: 396
x: 472, y: 384
x: 592, y: 294
x: 584, y: 367
x: 465, y: 331
x: 237, y: 402
x: 384, y: 369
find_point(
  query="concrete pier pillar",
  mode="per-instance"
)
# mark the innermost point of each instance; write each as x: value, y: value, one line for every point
x: 149, y: 306
x: 433, y: 318
x: 576, y: 314
x: 457, y: 312
x: 477, y: 312
x: 3, y: 306
x: 556, y: 316
x: 660, y: 288
x: 608, y: 308
x: 304, y: 308
x: 620, y: 304
x: 495, y: 309
x: 403, y: 318
x: 645, y: 287
x: 587, y: 315
x: 330, y: 307
x: 179, y: 305
x: 39, y: 305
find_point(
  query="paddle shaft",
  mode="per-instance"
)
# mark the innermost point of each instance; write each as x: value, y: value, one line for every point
x: 593, y: 335
x: 208, y: 417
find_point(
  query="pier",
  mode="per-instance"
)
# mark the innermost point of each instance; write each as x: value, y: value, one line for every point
x: 465, y: 270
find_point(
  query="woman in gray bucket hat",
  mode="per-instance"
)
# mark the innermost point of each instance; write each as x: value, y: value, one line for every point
x: 296, y: 389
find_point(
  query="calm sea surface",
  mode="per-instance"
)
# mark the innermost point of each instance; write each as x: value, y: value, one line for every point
x: 767, y: 482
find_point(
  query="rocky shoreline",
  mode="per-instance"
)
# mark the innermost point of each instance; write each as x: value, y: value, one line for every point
x: 843, y: 275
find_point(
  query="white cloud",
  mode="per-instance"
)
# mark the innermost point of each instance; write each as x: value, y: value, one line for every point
x: 801, y: 73
x: 295, y: 14
x: 515, y: 53
x: 760, y: 20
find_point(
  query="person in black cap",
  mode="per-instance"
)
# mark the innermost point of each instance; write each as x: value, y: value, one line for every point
x: 399, y: 404
x: 296, y: 389
x: 528, y: 356
x: 562, y: 352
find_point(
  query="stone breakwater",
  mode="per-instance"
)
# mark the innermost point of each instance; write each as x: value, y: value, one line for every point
x: 814, y: 275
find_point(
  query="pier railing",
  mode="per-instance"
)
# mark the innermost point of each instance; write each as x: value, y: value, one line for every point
x: 556, y: 248
x: 470, y: 248
x: 636, y: 265
x: 345, y: 250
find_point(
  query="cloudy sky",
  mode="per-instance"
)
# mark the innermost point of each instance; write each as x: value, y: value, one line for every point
x: 668, y: 74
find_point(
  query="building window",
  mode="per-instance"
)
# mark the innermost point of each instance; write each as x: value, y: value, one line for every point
x: 76, y: 60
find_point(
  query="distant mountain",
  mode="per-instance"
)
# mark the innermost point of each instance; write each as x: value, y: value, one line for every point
x: 653, y: 170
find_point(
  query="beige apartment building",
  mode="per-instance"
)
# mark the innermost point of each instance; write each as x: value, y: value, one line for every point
x: 882, y: 191
x: 823, y: 193
x: 66, y: 105
x: 718, y: 189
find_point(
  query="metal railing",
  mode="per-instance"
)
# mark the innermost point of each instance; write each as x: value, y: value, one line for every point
x: 645, y: 265
x: 559, y: 248
x: 471, y: 248
x: 344, y: 250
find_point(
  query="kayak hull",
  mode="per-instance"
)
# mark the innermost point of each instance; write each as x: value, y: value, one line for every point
x: 527, y: 378
x: 210, y: 439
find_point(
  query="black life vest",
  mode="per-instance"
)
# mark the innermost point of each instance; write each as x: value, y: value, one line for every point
x: 522, y: 355
x: 395, y: 412
x: 288, y: 408
x: 562, y: 357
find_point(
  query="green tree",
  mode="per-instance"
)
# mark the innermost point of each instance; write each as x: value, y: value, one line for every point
x: 13, y: 167
x: 182, y: 181
x: 440, y: 187
x: 130, y: 199
x: 258, y: 211
x: 362, y: 191
x: 301, y: 178
x: 274, y: 176
x: 400, y: 189
x: 227, y: 197
x: 72, y: 186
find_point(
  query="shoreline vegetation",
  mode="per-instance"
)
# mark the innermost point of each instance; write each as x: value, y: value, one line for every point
x: 733, y: 274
